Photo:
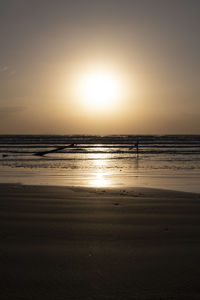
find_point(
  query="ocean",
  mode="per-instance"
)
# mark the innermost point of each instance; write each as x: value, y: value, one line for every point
x: 167, y: 161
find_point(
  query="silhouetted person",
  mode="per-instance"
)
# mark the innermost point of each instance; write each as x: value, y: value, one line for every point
x: 137, y: 147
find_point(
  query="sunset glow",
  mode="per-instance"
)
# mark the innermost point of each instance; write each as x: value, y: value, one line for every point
x: 99, y: 67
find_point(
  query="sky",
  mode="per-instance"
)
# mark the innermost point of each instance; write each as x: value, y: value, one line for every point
x: 150, y: 48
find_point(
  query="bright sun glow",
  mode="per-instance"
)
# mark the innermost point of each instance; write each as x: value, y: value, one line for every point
x: 99, y: 90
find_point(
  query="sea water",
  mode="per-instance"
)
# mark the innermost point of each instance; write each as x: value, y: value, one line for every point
x: 169, y: 161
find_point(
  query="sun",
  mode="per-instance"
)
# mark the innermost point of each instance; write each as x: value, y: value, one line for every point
x: 99, y: 90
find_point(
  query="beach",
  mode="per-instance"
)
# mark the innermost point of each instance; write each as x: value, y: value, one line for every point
x: 98, y: 243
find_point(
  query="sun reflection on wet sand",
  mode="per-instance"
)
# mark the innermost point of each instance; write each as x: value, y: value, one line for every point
x: 100, y: 180
x: 104, y: 174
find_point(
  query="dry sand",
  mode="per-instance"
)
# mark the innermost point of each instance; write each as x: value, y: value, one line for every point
x: 78, y: 243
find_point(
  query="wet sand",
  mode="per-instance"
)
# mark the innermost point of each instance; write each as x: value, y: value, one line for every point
x: 81, y: 243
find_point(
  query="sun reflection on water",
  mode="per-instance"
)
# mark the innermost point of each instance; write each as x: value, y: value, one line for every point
x: 99, y: 159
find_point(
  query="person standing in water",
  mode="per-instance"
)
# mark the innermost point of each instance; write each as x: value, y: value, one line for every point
x: 137, y: 147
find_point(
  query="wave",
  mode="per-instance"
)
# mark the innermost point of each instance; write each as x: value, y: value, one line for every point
x: 84, y: 144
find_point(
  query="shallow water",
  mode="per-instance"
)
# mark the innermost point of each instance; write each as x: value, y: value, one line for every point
x: 169, y: 162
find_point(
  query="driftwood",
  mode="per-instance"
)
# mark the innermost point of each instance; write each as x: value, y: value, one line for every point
x: 41, y: 153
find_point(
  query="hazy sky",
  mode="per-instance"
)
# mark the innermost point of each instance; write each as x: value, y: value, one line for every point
x: 154, y: 46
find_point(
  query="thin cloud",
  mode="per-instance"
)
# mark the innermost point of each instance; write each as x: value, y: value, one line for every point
x: 3, y: 68
x: 12, y: 72
x: 7, y: 70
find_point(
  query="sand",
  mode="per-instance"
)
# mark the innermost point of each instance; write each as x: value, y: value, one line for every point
x: 79, y: 243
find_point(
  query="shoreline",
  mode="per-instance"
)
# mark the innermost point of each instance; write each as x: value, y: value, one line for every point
x: 112, y: 189
x: 98, y: 243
